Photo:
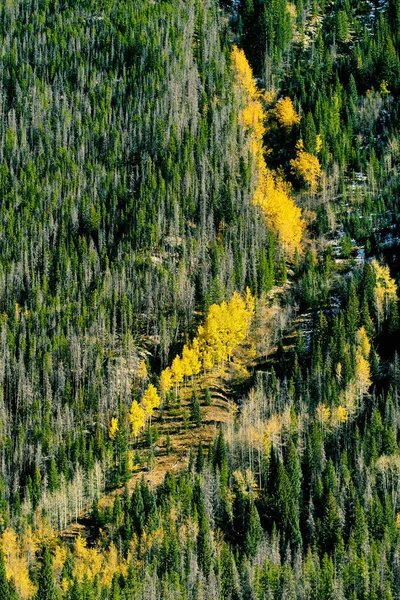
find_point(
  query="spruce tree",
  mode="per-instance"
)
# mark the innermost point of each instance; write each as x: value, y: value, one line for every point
x: 46, y: 586
x: 195, y: 410
x: 254, y: 532
x: 200, y: 458
x: 13, y: 593
x: 4, y: 587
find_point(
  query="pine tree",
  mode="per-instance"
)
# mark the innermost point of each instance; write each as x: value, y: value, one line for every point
x: 204, y: 549
x: 254, y: 531
x: 228, y: 587
x: 53, y: 481
x: 310, y: 135
x: 195, y: 409
x: 330, y: 527
x: 200, y: 458
x: 13, y: 593
x: 115, y: 589
x: 207, y: 397
x: 4, y: 587
x: 75, y: 591
x: 46, y: 585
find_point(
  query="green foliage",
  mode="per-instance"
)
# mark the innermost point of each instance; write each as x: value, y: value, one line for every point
x: 47, y: 589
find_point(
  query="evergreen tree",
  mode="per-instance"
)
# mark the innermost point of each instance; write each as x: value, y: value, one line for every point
x: 46, y: 585
x: 200, y: 458
x: 254, y: 531
x: 4, y: 587
x: 195, y: 410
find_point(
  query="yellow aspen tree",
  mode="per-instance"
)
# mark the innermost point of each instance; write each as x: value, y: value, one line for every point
x: 177, y: 370
x: 285, y: 113
x: 271, y: 193
x: 363, y: 373
x: 363, y: 342
x: 339, y: 415
x: 87, y: 561
x: 110, y: 565
x: 280, y: 211
x: 323, y: 414
x: 306, y: 166
x: 150, y: 400
x: 243, y: 72
x: 195, y: 358
x: 137, y: 418
x: 143, y: 372
x: 250, y: 302
x: 112, y: 430
x: 166, y: 380
x: 385, y: 287
x: 272, y: 432
x: 59, y: 559
x: 190, y: 361
x: 16, y: 565
x: 253, y: 118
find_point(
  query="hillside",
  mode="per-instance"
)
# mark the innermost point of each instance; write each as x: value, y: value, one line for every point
x: 199, y: 311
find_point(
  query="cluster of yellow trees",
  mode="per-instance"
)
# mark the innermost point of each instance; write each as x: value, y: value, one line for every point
x: 225, y: 327
x: 20, y: 550
x: 272, y: 194
x: 139, y: 414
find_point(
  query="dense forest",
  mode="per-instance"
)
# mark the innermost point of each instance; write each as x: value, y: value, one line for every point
x: 199, y: 318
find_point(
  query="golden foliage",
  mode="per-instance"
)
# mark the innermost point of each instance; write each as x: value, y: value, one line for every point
x: 16, y: 563
x: 243, y: 72
x: 191, y: 359
x: 385, y: 286
x: 306, y: 166
x: 339, y: 415
x: 253, y: 118
x: 225, y: 327
x: 137, y: 417
x: 272, y: 194
x: 383, y: 88
x: 177, y: 370
x: 143, y: 372
x: 363, y: 372
x: 285, y: 113
x: 166, y: 380
x: 110, y: 565
x: 291, y: 9
x: 363, y: 342
x: 319, y: 143
x: 281, y: 213
x: 348, y: 398
x: 150, y: 400
x: 112, y: 430
x: 87, y: 561
x: 59, y: 558
x: 331, y: 418
x: 323, y: 414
